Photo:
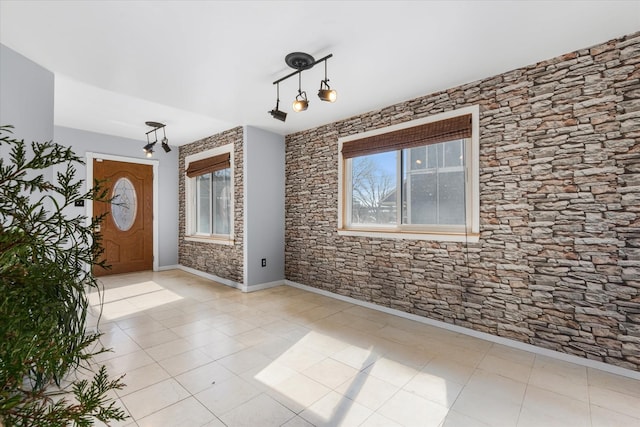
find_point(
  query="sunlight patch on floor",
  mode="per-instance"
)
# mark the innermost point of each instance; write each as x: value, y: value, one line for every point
x: 131, y: 299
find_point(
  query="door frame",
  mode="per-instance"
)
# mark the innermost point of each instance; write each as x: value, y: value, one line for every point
x: 91, y: 156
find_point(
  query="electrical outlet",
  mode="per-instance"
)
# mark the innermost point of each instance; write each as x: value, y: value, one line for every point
x: 264, y: 262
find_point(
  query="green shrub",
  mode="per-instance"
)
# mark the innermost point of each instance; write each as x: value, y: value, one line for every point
x: 45, y: 277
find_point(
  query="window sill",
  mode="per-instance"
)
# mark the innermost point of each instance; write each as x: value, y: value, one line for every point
x: 214, y: 240
x: 412, y: 235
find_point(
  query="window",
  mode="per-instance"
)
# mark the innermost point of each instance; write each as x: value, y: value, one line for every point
x: 209, y: 194
x: 416, y: 180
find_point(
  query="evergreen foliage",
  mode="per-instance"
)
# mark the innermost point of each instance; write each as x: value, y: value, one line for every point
x: 45, y: 279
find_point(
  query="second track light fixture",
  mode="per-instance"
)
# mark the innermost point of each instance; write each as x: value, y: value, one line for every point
x: 276, y: 113
x: 301, y: 61
x: 301, y: 103
x: 148, y: 149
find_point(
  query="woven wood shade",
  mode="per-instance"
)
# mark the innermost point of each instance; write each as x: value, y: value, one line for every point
x: 427, y: 134
x: 208, y: 165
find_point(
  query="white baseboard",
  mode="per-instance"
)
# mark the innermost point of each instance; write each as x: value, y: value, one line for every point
x: 261, y: 286
x: 213, y: 277
x: 482, y: 335
x: 168, y: 267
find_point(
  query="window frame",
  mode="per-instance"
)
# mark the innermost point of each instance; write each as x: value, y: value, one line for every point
x: 416, y: 231
x: 190, y: 233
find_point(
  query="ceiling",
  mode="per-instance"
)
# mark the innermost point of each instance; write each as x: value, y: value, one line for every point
x: 202, y: 67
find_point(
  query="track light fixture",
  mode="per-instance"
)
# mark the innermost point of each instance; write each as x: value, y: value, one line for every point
x: 301, y: 61
x: 301, y: 103
x: 326, y: 93
x: 276, y: 113
x: 148, y: 149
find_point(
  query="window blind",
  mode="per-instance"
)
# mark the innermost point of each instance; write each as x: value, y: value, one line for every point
x: 426, y: 134
x: 208, y: 165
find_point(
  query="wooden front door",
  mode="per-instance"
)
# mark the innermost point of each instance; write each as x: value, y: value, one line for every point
x: 127, y: 228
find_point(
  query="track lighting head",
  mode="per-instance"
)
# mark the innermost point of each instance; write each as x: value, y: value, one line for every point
x: 165, y: 145
x: 326, y: 93
x: 301, y: 103
x: 277, y: 114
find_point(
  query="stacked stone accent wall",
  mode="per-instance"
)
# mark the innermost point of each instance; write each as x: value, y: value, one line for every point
x: 558, y: 260
x: 221, y: 260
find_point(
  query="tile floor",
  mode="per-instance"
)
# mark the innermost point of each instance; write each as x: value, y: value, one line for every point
x: 197, y: 353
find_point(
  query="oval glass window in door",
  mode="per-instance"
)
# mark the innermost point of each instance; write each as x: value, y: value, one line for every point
x: 124, y: 204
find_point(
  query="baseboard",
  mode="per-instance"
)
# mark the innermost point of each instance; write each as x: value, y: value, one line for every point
x: 482, y: 335
x: 210, y: 276
x: 168, y: 267
x: 261, y: 286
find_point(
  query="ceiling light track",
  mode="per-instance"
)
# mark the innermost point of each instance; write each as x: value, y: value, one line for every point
x: 301, y: 61
x: 148, y: 149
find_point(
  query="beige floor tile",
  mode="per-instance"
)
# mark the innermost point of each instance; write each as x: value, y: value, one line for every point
x: 377, y: 420
x: 483, y: 405
x: 357, y: 357
x: 499, y: 387
x: 330, y: 372
x: 184, y: 362
x: 367, y: 390
x: 410, y: 356
x: 192, y: 328
x: 223, y: 396
x: 297, y: 421
x: 235, y: 328
x: 543, y: 407
x: 512, y: 354
x: 201, y: 339
x: 261, y: 410
x: 163, y: 313
x: 186, y: 413
x: 128, y: 362
x: 506, y: 368
x: 335, y: 409
x: 140, y: 324
x: 151, y: 339
x: 169, y: 349
x: 140, y: 378
x: 560, y: 377
x: 300, y: 357
x: 391, y: 371
x: 448, y: 370
x: 407, y: 409
x: 274, y: 347
x: 607, y: 380
x: 456, y: 419
x: 602, y: 417
x: 436, y: 389
x: 615, y: 401
x: 268, y: 377
x: 153, y: 398
x: 203, y: 377
x: 245, y: 360
x: 323, y: 343
x: 254, y: 337
x: 298, y: 392
x: 222, y: 348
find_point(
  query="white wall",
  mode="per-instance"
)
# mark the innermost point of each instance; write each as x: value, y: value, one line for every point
x: 82, y: 141
x: 26, y: 97
x: 264, y: 206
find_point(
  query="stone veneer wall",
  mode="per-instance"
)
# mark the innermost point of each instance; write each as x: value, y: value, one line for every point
x: 221, y: 260
x: 558, y: 261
